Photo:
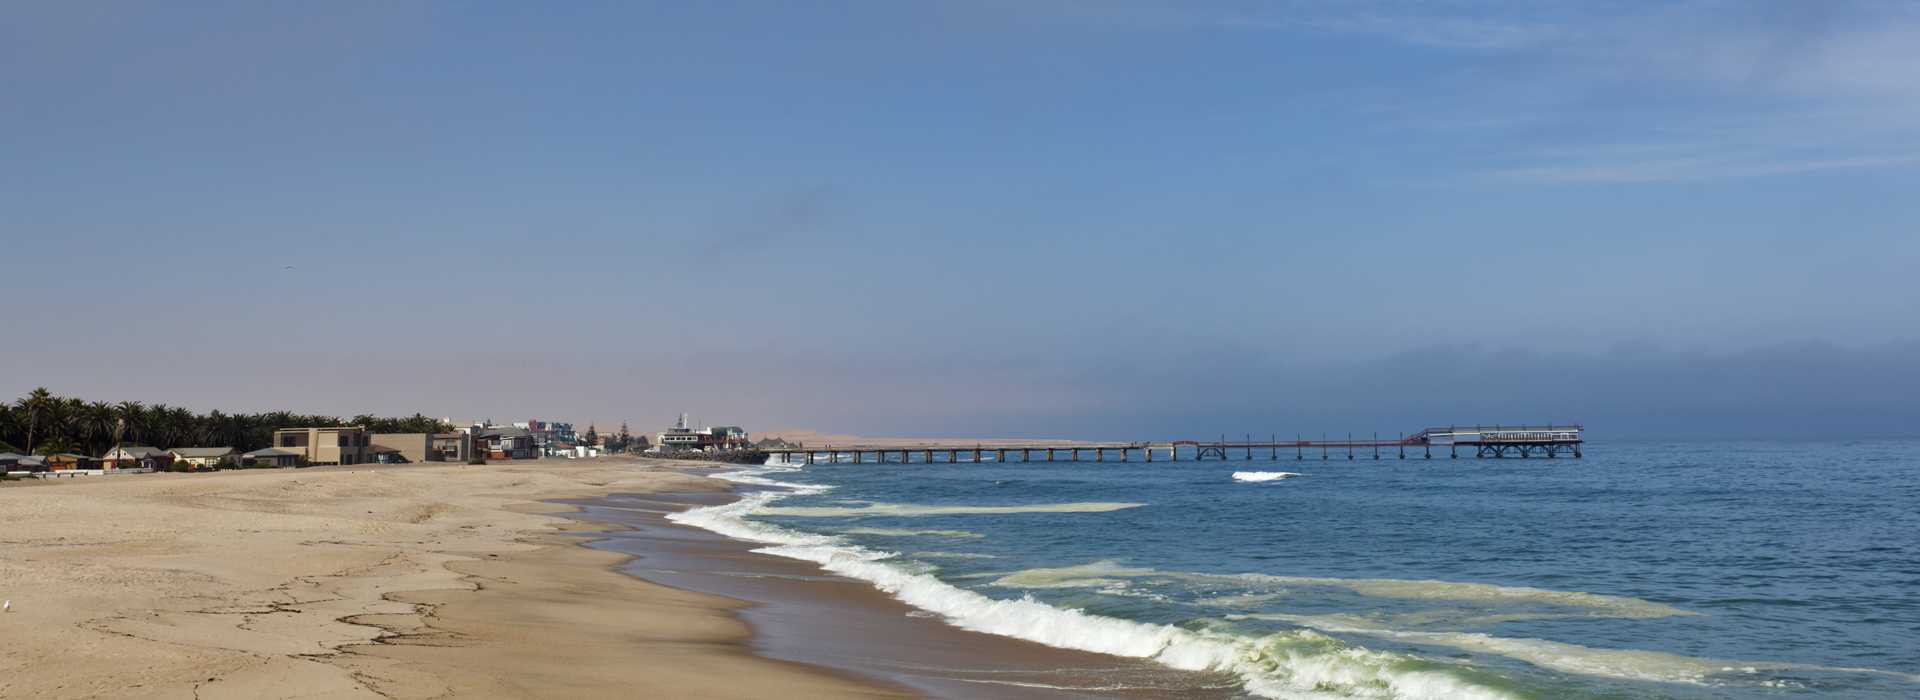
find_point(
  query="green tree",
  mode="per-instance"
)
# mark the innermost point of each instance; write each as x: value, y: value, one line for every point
x: 625, y: 440
x: 34, y: 405
x: 592, y: 438
x: 132, y: 417
x: 99, y: 421
x: 56, y: 444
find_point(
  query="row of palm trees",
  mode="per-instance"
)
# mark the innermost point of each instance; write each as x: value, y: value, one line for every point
x: 42, y: 423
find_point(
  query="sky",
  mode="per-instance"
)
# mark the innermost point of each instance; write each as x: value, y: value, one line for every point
x: 1136, y: 219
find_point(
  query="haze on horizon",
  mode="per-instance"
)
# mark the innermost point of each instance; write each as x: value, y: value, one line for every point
x: 1131, y: 219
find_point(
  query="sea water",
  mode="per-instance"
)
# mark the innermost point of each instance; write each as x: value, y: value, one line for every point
x: 1647, y: 569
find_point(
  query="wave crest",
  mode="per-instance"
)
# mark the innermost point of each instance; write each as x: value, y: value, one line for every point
x: 1293, y: 664
x: 1256, y: 477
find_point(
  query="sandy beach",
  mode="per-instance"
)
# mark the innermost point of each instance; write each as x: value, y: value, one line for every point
x: 412, y: 581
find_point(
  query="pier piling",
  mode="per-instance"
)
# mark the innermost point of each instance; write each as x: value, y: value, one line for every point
x: 1523, y: 442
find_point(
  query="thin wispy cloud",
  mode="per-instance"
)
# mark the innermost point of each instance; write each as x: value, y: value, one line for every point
x: 1830, y: 84
x: 1696, y: 169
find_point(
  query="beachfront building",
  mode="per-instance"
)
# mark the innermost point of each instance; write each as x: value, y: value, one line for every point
x: 505, y: 443
x: 68, y: 461
x: 414, y: 447
x: 134, y: 457
x: 339, y: 445
x: 682, y: 437
x: 453, y: 447
x: 272, y: 457
x: 198, y: 458
x: 730, y: 437
x: 548, y: 434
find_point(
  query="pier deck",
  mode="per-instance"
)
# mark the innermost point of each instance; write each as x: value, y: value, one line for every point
x: 1486, y: 442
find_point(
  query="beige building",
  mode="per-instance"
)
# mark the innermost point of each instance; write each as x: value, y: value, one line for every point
x: 453, y: 447
x: 342, y: 445
x: 416, y: 447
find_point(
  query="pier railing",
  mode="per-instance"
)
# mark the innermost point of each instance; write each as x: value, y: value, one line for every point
x: 1495, y: 441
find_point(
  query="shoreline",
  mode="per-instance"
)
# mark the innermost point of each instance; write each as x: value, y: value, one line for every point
x: 411, y: 581
x: 801, y: 613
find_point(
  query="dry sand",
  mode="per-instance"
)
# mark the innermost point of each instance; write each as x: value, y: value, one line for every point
x: 355, y: 582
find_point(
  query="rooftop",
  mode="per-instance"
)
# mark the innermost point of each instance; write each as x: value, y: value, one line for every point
x: 202, y: 451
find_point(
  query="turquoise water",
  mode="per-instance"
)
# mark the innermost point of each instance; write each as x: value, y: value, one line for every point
x: 1683, y: 570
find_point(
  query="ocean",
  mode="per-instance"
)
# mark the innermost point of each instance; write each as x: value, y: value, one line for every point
x: 1763, y: 569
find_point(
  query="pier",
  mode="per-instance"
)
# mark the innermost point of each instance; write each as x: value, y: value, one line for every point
x: 1480, y: 442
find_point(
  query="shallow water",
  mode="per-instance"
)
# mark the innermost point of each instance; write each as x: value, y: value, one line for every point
x: 1685, y: 570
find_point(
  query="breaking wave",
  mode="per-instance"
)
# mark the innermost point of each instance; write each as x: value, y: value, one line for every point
x: 1300, y: 663
x: 1262, y: 476
x: 952, y: 555
x: 1631, y: 664
x: 899, y: 532
x: 1105, y: 573
x: 912, y: 510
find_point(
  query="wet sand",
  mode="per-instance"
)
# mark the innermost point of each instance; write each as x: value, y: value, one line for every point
x: 801, y: 613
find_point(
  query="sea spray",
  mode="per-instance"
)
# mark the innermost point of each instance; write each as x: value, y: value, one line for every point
x: 1257, y: 477
x: 914, y: 510
x: 1292, y: 664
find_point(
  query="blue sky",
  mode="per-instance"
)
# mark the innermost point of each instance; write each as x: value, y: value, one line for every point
x: 1098, y: 219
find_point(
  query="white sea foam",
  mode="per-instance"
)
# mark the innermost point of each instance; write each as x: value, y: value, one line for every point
x: 914, y: 510
x: 1293, y: 664
x: 1102, y: 573
x: 952, y: 555
x: 899, y: 532
x: 1632, y: 664
x: 1262, y: 476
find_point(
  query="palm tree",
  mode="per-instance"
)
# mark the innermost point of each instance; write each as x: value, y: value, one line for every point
x: 132, y: 418
x: 98, y: 425
x: 33, y: 405
x: 186, y: 427
x: 9, y: 426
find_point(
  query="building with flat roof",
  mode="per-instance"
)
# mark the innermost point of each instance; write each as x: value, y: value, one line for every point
x: 548, y: 434
x: 338, y: 445
x: 505, y: 443
x: 456, y: 446
x: 416, y: 447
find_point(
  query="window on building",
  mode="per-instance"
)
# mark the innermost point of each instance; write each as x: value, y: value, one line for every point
x: 293, y: 439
